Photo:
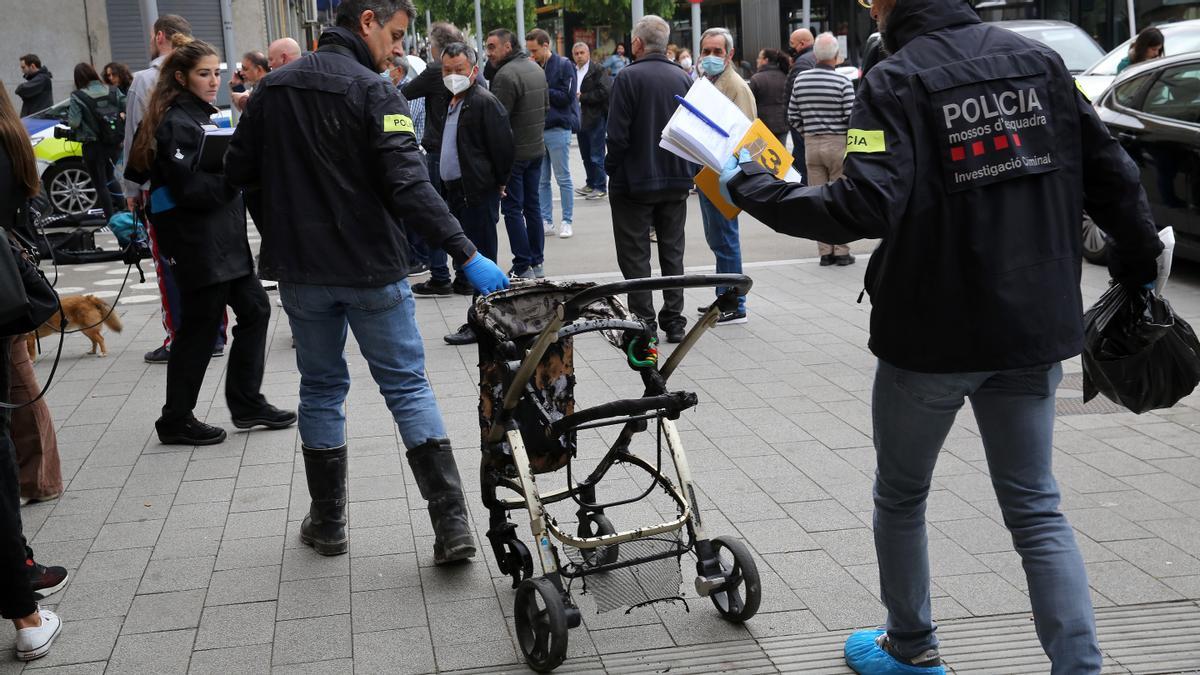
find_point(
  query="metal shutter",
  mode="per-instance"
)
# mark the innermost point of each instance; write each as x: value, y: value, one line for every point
x: 130, y: 45
x: 205, y: 17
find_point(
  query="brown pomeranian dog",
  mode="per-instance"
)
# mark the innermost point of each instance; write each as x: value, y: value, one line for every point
x: 86, y: 314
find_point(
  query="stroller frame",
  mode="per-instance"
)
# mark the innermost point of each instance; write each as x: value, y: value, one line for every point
x: 544, y: 608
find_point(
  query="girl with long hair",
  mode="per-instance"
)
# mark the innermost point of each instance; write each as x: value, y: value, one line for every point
x: 1149, y: 44
x: 22, y: 582
x: 200, y: 224
x: 769, y: 86
x: 92, y: 104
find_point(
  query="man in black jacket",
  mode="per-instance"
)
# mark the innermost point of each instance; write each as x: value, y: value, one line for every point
x: 648, y: 186
x: 800, y: 45
x: 37, y: 91
x: 476, y: 156
x: 428, y: 85
x: 594, y: 87
x: 971, y: 154
x: 331, y: 147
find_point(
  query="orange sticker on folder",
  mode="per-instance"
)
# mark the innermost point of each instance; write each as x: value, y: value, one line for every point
x: 764, y: 147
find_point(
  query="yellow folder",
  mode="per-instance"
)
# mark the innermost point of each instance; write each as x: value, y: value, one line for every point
x: 764, y: 147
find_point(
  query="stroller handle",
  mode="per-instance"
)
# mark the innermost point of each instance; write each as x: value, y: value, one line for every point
x: 736, y: 282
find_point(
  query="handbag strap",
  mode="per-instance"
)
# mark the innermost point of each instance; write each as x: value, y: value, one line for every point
x: 62, y: 336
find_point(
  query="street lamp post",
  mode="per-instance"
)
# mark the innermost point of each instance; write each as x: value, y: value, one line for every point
x: 639, y: 10
x: 695, y: 30
x: 520, y: 20
x: 478, y: 28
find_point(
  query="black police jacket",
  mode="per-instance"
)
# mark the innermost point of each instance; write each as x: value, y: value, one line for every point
x: 971, y: 154
x: 485, y: 144
x: 331, y: 147
x: 198, y: 217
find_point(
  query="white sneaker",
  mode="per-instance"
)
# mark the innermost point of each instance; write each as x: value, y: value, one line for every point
x: 565, y: 232
x: 548, y: 228
x: 34, y: 643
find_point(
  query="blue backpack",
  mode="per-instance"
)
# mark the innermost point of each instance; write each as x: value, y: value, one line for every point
x: 126, y: 228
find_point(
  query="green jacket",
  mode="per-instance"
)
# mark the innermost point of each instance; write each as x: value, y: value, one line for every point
x: 79, y: 118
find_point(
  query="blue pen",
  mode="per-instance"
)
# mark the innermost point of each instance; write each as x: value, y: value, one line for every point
x: 691, y: 108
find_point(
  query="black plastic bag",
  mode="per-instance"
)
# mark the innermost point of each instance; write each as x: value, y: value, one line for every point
x: 1137, y: 352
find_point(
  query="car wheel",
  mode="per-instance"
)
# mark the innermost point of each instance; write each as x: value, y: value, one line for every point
x: 69, y: 187
x: 1095, y: 242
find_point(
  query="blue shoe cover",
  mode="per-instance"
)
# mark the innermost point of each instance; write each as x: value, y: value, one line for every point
x: 865, y: 657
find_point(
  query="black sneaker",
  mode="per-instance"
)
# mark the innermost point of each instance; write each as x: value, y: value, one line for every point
x: 218, y: 352
x: 160, y: 355
x: 417, y: 269
x: 732, y: 318
x: 269, y: 417
x: 462, y: 287
x: 843, y: 260
x: 675, y: 334
x: 46, y: 581
x: 465, y: 335
x: 827, y: 260
x: 432, y: 288
x: 188, y: 432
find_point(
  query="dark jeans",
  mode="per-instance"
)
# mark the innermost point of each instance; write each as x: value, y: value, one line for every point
x: 203, y: 309
x: 168, y: 290
x: 99, y: 160
x: 591, y: 148
x: 911, y: 414
x: 523, y: 214
x: 798, y: 155
x: 439, y: 262
x: 478, y: 215
x: 16, y: 595
x: 633, y: 215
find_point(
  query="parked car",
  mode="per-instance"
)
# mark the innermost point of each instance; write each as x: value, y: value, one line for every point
x: 1181, y: 37
x: 60, y: 161
x: 1153, y: 110
x: 1077, y: 49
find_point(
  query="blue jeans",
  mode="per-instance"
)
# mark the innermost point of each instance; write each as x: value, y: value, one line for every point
x: 722, y: 236
x: 523, y: 215
x: 912, y: 414
x: 591, y: 149
x: 558, y: 148
x: 383, y: 322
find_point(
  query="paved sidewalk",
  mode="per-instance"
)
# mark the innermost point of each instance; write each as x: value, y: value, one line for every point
x: 188, y: 560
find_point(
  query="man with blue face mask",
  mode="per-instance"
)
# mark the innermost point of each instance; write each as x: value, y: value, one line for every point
x: 716, y: 64
x: 476, y: 156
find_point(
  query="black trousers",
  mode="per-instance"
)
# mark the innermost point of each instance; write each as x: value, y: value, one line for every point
x: 192, y: 349
x: 99, y: 161
x: 633, y: 216
x: 478, y: 216
x: 16, y: 595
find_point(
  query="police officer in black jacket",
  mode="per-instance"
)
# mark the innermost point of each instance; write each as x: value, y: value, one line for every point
x: 200, y: 222
x: 330, y: 145
x: 972, y: 155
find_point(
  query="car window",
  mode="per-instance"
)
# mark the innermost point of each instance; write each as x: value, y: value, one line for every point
x: 1126, y: 93
x: 1077, y: 50
x: 1176, y: 94
x: 1177, y: 41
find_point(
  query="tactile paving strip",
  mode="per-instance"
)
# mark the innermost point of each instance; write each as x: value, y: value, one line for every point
x: 1149, y: 639
x: 1069, y: 399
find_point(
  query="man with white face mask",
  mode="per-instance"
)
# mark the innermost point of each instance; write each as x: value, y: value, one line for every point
x: 476, y: 156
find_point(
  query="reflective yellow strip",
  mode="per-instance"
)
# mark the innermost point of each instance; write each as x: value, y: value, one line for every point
x: 393, y: 123
x: 1079, y: 86
x: 859, y: 140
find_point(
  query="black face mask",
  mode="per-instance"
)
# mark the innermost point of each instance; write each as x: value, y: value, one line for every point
x: 792, y: 51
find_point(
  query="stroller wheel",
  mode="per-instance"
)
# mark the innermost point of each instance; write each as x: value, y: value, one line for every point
x: 595, y: 525
x: 541, y: 622
x: 737, y: 599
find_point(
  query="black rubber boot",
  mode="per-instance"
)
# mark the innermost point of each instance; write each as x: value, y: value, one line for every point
x: 437, y: 478
x: 324, y: 528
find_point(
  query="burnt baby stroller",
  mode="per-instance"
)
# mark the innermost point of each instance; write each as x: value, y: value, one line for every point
x: 529, y: 426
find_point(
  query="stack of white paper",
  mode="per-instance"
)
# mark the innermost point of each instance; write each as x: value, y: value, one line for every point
x: 690, y: 137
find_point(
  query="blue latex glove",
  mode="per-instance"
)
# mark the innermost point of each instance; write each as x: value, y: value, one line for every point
x: 484, y: 275
x: 732, y: 168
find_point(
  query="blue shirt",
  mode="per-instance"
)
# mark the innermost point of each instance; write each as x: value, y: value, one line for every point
x: 615, y: 62
x: 450, y: 168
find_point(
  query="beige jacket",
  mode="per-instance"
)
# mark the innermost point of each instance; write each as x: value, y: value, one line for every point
x: 733, y: 86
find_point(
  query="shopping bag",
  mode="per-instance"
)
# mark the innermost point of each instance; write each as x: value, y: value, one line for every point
x: 1137, y: 352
